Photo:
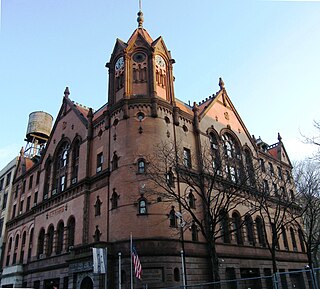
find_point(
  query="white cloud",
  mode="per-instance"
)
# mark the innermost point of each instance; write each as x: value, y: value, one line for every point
x: 297, y: 150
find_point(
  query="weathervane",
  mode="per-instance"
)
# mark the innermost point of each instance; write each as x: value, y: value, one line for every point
x: 140, y: 16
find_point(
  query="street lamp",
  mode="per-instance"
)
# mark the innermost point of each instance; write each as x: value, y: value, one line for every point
x: 183, y: 263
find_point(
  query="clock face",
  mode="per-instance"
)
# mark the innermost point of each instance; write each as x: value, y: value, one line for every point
x: 160, y: 61
x: 139, y: 57
x: 119, y: 63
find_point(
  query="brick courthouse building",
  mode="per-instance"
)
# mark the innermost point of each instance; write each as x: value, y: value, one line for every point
x: 86, y: 187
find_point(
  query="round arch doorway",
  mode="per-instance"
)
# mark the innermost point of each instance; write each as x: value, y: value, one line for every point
x: 86, y: 283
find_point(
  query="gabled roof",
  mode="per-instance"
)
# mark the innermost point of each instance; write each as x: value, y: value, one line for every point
x: 144, y: 34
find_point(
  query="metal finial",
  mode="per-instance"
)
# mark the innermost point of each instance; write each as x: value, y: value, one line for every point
x: 140, y: 16
x: 221, y: 83
x: 279, y: 137
x: 66, y: 92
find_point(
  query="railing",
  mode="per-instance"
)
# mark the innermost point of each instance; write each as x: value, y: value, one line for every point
x: 292, y: 279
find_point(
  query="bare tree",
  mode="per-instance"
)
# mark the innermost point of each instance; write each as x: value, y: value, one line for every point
x: 277, y: 206
x: 180, y: 179
x: 307, y: 178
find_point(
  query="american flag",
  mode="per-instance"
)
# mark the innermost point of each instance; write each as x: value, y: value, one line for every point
x: 136, y: 263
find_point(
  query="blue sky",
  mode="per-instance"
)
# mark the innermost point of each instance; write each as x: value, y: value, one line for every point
x: 267, y: 53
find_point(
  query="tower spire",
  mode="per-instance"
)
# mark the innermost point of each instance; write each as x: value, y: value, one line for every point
x: 140, y: 16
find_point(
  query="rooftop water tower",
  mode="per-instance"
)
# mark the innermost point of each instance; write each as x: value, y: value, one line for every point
x: 38, y: 132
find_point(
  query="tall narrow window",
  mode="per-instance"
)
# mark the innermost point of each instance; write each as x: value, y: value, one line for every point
x: 50, y: 240
x: 38, y: 177
x: 21, y: 207
x: 75, y: 161
x: 262, y: 165
x: 249, y: 168
x: 1, y: 184
x: 260, y: 232
x: 61, y: 168
x: 23, y: 243
x: 224, y: 223
x: 236, y: 220
x: 288, y: 177
x: 214, y: 144
x: 250, y: 231
x: 279, y: 173
x: 30, y: 243
x: 234, y: 166
x: 99, y: 162
x: 41, y: 243
x: 47, y: 180
x: 271, y: 171
x: 14, y: 210
x: 187, y: 158
x: 266, y: 187
x: 23, y: 187
x: 284, y: 237
x: 60, y: 231
x: 293, y: 239
x: 301, y: 240
x: 30, y: 182
x: 4, y: 201
x: 8, y: 179
x: 71, y: 231
x: 97, y: 207
x: 28, y: 203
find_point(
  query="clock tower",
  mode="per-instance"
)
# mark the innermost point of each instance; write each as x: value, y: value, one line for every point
x: 140, y: 69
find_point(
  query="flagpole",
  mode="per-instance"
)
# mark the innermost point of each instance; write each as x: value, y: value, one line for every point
x: 131, y: 275
x: 119, y: 254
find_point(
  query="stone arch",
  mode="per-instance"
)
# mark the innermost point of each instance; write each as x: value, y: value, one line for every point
x: 86, y: 283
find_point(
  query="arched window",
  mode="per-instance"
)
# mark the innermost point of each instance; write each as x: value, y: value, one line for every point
x: 10, y: 244
x: 141, y: 166
x: 41, y: 243
x: 260, y: 231
x: 50, y: 240
x: 293, y: 239
x: 224, y: 223
x: 97, y: 207
x: 176, y: 274
x: 192, y: 200
x: 71, y: 231
x: 249, y: 168
x: 236, y: 220
x: 114, y: 199
x: 60, y: 233
x: 30, y: 243
x: 233, y: 158
x: 301, y: 240
x: 75, y: 161
x: 194, y: 231
x: 16, y: 243
x: 250, y: 231
x: 173, y: 218
x: 47, y: 178
x: 214, y: 144
x: 284, y: 237
x: 142, y: 203
x: 61, y: 168
x: 115, y: 161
